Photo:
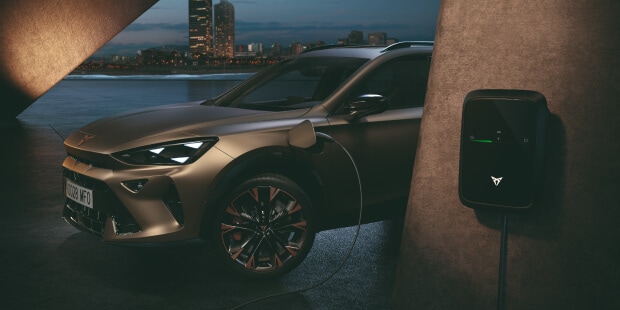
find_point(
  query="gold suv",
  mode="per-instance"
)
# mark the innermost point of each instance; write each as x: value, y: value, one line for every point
x: 224, y: 170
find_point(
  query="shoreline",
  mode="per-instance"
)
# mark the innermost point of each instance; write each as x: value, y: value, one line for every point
x: 166, y: 71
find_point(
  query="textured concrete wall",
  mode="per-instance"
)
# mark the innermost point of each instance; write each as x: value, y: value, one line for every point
x: 565, y: 254
x: 44, y: 40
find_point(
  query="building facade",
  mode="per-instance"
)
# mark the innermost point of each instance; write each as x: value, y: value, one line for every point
x: 377, y: 38
x: 256, y: 48
x: 296, y: 48
x: 224, y: 29
x: 276, y: 49
x: 200, y: 28
x: 356, y: 37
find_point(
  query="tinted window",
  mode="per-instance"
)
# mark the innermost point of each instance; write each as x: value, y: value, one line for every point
x: 402, y: 81
x: 300, y: 83
x: 293, y: 86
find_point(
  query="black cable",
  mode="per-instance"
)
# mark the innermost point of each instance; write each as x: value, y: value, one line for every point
x: 346, y: 257
x: 501, y: 286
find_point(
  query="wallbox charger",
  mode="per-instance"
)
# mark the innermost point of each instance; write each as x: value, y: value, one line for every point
x: 502, y: 147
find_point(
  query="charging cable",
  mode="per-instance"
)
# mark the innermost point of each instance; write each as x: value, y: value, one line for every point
x: 346, y: 257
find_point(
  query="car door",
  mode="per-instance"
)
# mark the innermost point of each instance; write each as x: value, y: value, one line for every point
x: 383, y: 145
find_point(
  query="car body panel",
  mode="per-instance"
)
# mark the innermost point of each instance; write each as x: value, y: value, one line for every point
x: 384, y: 174
x: 153, y: 125
x: 249, y: 141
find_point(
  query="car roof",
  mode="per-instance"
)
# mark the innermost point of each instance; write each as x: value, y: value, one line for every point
x: 361, y: 51
x: 343, y: 51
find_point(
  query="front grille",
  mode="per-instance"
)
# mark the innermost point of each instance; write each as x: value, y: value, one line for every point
x: 106, y: 205
x: 85, y: 218
x: 85, y: 181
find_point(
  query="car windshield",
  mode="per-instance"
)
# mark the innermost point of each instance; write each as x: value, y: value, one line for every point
x: 293, y: 84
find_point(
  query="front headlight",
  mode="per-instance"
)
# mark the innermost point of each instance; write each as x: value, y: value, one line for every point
x: 171, y: 153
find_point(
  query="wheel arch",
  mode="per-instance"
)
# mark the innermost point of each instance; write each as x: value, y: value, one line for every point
x: 291, y: 163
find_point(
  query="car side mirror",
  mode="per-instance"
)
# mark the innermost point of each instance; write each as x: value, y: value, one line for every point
x: 365, y: 105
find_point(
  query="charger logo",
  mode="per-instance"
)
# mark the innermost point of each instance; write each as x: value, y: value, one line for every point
x: 496, y: 180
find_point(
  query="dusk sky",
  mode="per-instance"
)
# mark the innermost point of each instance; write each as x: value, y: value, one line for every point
x: 284, y: 21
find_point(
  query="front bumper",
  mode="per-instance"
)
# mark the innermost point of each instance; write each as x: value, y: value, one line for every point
x: 168, y: 208
x: 109, y: 208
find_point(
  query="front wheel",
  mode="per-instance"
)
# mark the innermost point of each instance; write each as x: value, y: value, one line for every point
x: 265, y: 227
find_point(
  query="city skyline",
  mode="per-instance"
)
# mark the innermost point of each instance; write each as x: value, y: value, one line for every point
x: 283, y: 22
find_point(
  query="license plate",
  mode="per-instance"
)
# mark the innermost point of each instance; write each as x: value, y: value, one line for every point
x: 79, y: 194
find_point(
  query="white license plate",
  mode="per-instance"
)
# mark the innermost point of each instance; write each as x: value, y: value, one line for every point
x: 81, y: 195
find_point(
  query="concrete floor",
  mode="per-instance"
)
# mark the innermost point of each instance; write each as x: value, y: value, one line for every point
x: 46, y: 263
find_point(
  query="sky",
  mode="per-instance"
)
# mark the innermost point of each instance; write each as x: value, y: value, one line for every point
x: 283, y: 21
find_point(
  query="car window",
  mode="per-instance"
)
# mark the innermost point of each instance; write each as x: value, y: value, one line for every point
x: 298, y: 84
x: 402, y: 81
x: 290, y: 87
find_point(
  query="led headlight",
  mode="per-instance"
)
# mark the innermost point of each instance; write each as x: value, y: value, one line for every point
x: 172, y: 153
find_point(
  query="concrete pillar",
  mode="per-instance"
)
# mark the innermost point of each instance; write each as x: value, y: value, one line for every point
x: 564, y: 254
x: 43, y: 41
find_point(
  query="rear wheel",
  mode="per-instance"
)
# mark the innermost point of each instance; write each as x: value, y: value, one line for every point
x: 265, y: 227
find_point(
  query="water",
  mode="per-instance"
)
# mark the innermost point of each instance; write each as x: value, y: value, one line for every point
x: 78, y: 100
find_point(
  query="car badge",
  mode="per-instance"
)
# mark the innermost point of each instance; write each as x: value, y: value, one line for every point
x: 85, y: 139
x: 496, y: 180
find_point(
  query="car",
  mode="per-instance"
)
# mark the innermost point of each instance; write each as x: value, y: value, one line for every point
x: 240, y: 172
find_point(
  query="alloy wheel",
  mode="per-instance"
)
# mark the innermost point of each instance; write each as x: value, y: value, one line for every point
x: 264, y: 229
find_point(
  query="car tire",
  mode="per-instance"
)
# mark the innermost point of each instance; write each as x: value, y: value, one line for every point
x: 264, y: 228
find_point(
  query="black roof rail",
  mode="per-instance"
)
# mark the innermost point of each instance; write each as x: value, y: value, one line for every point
x: 394, y: 46
x: 321, y: 47
x: 405, y: 44
x: 328, y: 46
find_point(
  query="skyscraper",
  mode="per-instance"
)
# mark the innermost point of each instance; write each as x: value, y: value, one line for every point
x: 224, y: 29
x: 356, y: 37
x: 377, y: 38
x: 200, y: 28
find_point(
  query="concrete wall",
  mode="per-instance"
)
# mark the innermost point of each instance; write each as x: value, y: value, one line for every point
x: 565, y: 254
x: 44, y: 40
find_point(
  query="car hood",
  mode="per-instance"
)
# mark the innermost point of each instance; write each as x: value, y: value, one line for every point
x: 165, y: 123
